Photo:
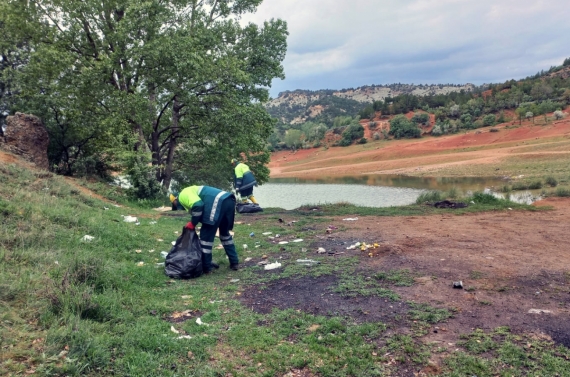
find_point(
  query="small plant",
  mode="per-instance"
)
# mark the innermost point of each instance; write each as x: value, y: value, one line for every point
x: 551, y: 181
x: 429, y: 197
x: 563, y: 192
x: 363, y: 141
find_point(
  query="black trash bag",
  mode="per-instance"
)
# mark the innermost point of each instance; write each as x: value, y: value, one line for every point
x: 248, y: 208
x: 184, y: 260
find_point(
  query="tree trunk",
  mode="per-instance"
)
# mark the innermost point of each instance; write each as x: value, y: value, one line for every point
x: 171, y: 148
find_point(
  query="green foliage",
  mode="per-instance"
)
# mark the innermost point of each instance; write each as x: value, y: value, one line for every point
x: 293, y: 139
x: 489, y: 120
x: 353, y: 132
x: 429, y: 197
x: 363, y: 141
x: 367, y: 113
x: 401, y: 127
x: 563, y: 192
x: 551, y: 181
x: 109, y: 77
x: 566, y: 62
x: 140, y: 173
x: 420, y: 118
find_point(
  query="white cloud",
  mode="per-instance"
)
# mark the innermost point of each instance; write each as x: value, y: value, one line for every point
x: 357, y: 42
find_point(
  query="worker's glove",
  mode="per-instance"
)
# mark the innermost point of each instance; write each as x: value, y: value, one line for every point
x: 190, y: 226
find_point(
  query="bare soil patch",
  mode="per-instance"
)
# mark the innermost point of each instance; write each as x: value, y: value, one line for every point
x: 509, y: 263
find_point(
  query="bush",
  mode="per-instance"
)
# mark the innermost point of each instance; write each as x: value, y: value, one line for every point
x: 429, y: 197
x: 401, y: 127
x: 376, y: 136
x: 142, y: 178
x: 489, y: 120
x: 420, y: 118
x: 483, y: 198
x: 562, y: 192
x: 352, y: 132
x: 363, y: 141
x: 558, y: 115
x: 551, y: 181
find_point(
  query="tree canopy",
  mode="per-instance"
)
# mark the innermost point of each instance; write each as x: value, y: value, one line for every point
x: 166, y: 79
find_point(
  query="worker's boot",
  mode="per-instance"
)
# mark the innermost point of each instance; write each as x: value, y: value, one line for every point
x: 252, y: 198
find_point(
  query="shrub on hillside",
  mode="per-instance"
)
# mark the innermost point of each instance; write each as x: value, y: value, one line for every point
x: 401, y: 127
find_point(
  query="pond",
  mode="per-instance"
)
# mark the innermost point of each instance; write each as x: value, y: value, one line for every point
x: 365, y: 190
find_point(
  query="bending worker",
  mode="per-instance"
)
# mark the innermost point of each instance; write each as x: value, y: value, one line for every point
x: 244, y: 181
x: 215, y: 209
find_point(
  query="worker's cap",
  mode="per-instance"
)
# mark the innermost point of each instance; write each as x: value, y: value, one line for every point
x: 234, y: 161
x: 172, y: 197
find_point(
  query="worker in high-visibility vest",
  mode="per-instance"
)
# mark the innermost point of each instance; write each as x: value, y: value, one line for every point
x: 244, y: 181
x: 215, y: 209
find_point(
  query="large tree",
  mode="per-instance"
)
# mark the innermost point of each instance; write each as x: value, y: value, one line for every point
x: 152, y: 76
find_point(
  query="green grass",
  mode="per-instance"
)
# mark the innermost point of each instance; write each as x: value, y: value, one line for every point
x: 70, y: 307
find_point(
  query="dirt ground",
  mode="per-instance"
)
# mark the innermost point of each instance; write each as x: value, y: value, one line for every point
x: 509, y: 262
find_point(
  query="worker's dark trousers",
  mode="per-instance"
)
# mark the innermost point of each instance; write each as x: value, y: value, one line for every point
x: 225, y: 223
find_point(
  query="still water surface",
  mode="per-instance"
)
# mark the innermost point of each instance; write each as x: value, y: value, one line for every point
x: 362, y: 190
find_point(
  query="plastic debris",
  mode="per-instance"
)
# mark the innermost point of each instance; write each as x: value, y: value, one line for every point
x: 298, y: 240
x: 161, y: 264
x: 234, y: 280
x: 184, y: 337
x: 245, y: 246
x: 152, y: 222
x: 138, y: 251
x: 262, y: 263
x: 252, y: 234
x: 321, y: 250
x: 173, y: 243
x: 106, y: 208
x: 303, y: 249
x: 130, y: 219
x: 283, y: 242
x: 174, y: 330
x: 164, y: 254
x: 350, y: 219
x: 140, y: 264
x: 199, y: 322
x: 267, y: 233
x: 458, y: 284
x: 354, y: 246
x: 307, y: 262
x: 87, y: 238
x: 247, y: 259
x: 272, y: 266
x: 539, y: 311
x: 151, y: 251
x: 159, y: 239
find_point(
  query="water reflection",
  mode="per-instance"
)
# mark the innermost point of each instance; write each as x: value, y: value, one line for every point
x: 424, y: 183
x: 373, y: 190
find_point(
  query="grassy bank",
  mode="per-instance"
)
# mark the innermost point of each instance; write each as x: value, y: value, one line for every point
x: 103, y: 307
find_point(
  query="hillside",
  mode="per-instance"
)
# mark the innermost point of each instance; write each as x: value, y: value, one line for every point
x: 532, y: 149
x: 301, y: 105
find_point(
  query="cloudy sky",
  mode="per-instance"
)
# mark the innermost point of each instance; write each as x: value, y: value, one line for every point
x: 335, y: 44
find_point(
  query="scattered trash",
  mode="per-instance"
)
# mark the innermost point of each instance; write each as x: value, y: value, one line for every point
x: 105, y: 208
x: 152, y: 222
x: 354, y: 246
x: 140, y: 264
x: 174, y: 330
x: 350, y: 219
x: 175, y: 232
x: 87, y: 238
x: 277, y: 236
x: 257, y: 246
x: 247, y: 259
x: 161, y: 264
x: 280, y: 220
x: 159, y: 239
x: 184, y: 337
x: 56, y: 262
x: 151, y: 251
x: 298, y: 240
x: 244, y: 246
x: 264, y: 257
x: 332, y: 227
x: 458, y: 284
x: 219, y: 247
x: 321, y: 250
x: 163, y: 209
x: 116, y: 205
x: 539, y: 311
x: 283, y: 242
x: 510, y: 209
x: 267, y: 233
x: 307, y: 262
x: 272, y: 266
x: 472, y: 202
x: 138, y: 251
x: 303, y: 250
x: 130, y: 219
x: 164, y: 254
x: 215, y: 301
x: 234, y: 280
x: 199, y: 322
x: 262, y: 263
x: 252, y: 234
x: 173, y: 243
